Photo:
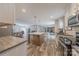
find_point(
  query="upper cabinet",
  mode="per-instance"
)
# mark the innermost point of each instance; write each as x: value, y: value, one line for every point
x: 74, y: 9
x: 7, y: 13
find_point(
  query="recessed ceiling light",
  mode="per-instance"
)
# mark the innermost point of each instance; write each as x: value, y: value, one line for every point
x: 24, y: 10
x: 51, y: 17
x: 74, y: 14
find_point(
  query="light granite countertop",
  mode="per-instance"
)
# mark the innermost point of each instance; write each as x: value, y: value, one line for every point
x: 8, y: 42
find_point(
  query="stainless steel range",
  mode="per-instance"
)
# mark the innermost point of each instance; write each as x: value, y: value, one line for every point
x: 77, y: 38
x: 66, y: 44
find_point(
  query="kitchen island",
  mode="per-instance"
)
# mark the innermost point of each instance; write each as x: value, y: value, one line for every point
x: 37, y: 38
x: 10, y: 45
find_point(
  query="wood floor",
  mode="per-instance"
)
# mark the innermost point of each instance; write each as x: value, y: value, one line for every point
x: 48, y: 48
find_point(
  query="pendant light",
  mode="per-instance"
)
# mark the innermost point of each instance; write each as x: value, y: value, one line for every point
x: 36, y: 25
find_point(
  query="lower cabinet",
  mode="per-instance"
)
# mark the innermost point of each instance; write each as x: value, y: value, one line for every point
x: 19, y: 50
x: 74, y: 53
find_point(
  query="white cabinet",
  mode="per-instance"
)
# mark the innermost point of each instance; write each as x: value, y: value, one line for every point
x: 74, y: 8
x: 7, y: 13
x: 19, y: 50
x: 74, y: 53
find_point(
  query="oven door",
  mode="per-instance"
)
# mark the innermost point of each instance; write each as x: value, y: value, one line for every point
x: 77, y: 36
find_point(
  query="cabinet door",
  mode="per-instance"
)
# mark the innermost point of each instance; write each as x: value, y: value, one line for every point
x: 7, y: 12
x: 74, y: 53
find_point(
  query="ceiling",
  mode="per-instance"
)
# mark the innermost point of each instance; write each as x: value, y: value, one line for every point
x: 45, y: 12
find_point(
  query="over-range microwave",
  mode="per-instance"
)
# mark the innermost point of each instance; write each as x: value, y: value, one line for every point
x: 74, y: 20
